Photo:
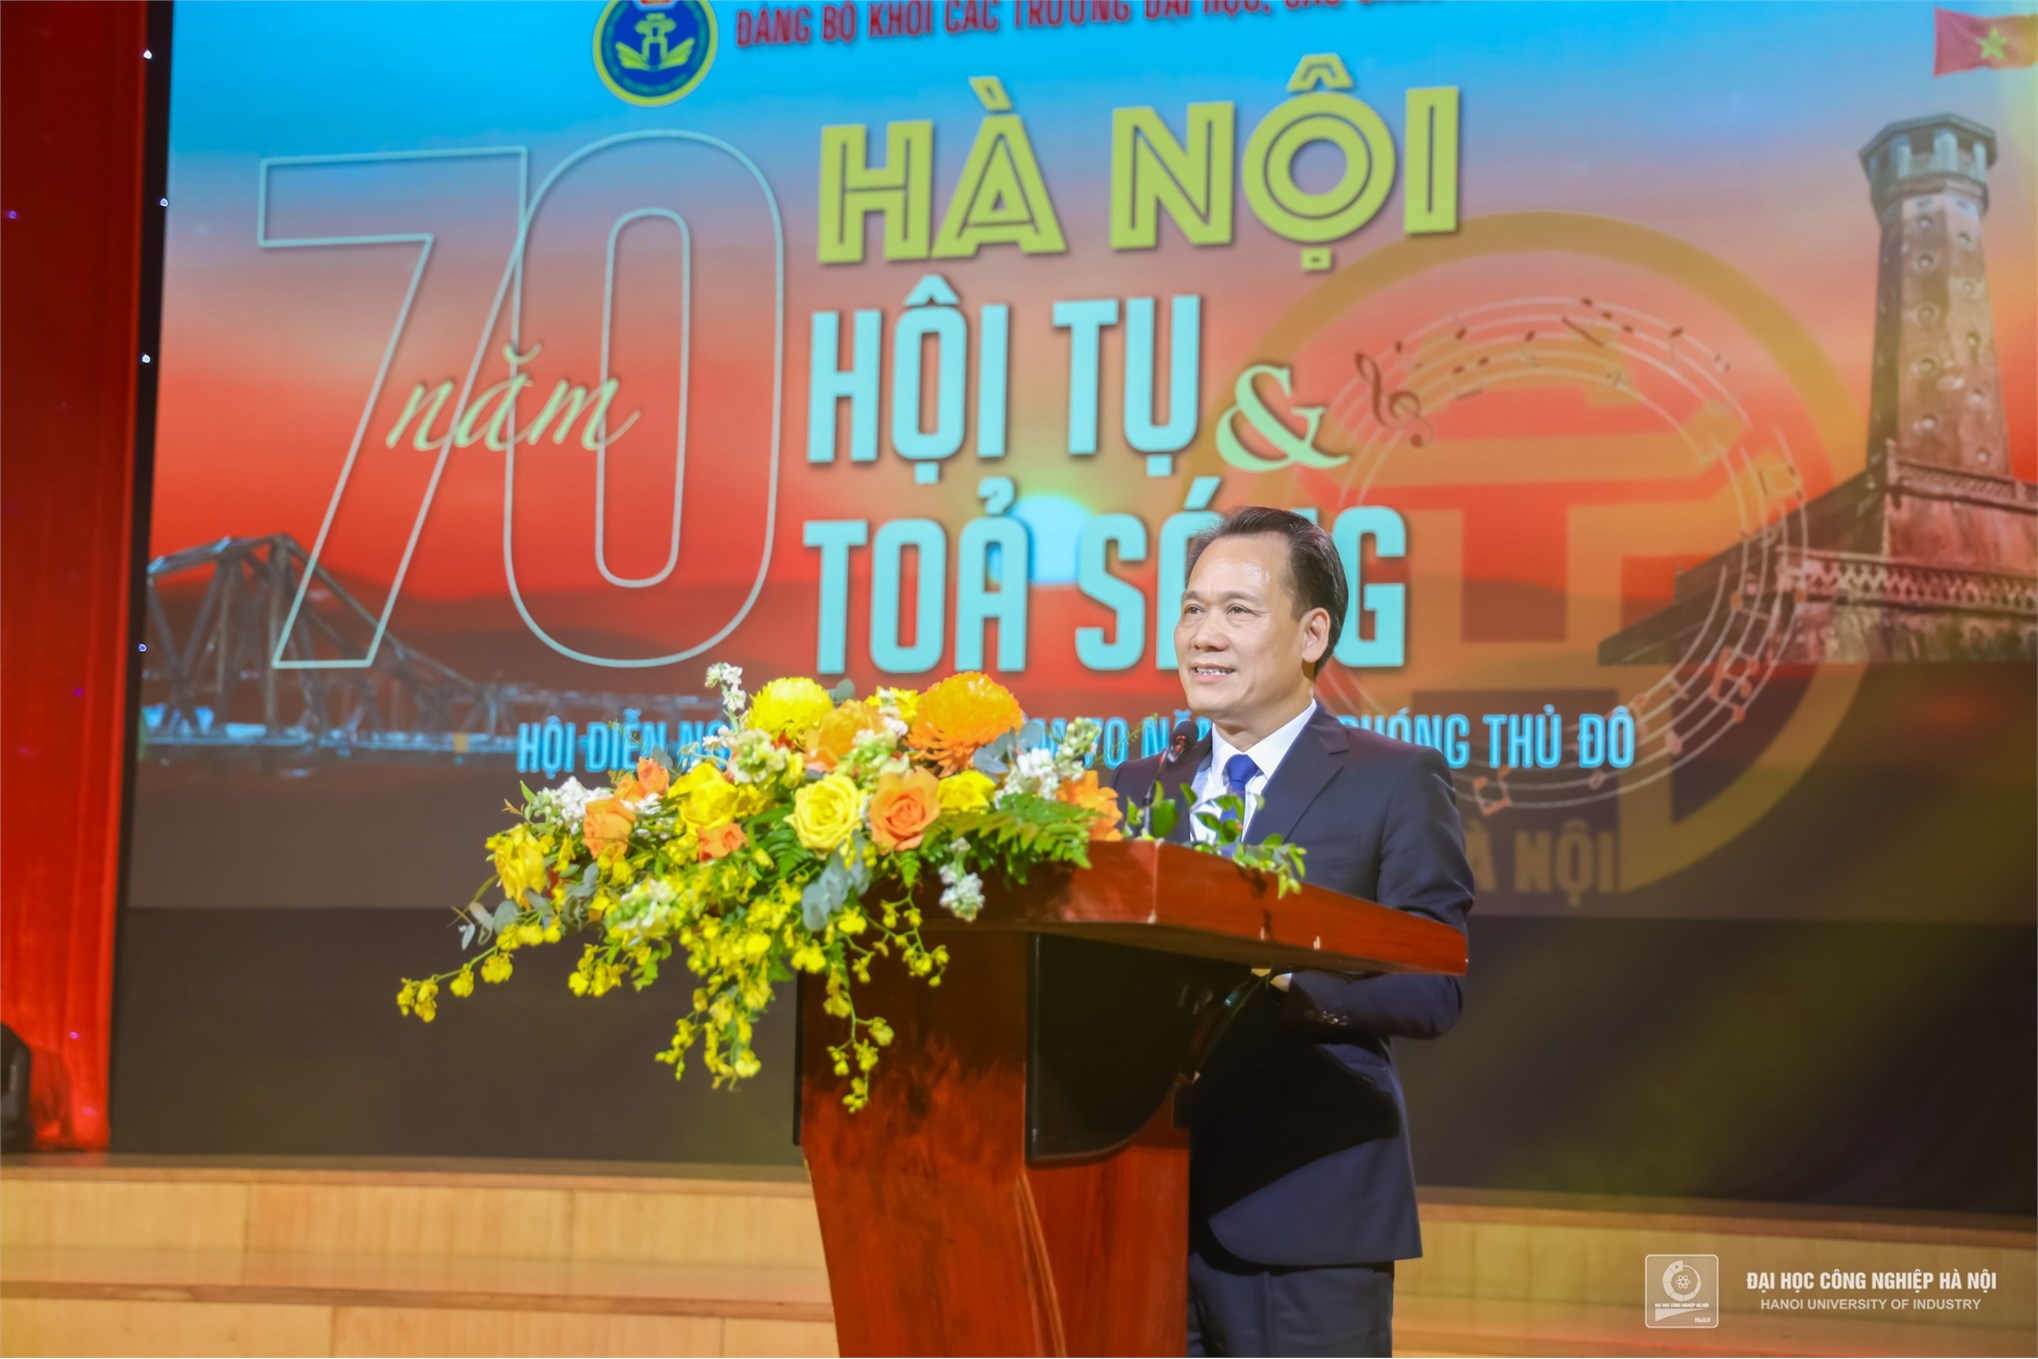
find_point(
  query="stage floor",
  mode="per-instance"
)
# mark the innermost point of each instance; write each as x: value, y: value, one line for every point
x: 121, y: 1255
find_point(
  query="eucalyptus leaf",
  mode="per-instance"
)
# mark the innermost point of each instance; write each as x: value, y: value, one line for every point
x: 858, y: 868
x: 993, y: 758
x: 824, y: 895
x: 843, y: 691
x: 467, y: 935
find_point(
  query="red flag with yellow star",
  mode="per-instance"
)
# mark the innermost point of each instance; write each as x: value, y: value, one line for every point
x: 1968, y: 41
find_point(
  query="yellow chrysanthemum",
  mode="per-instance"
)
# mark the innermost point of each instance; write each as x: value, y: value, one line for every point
x: 959, y: 716
x: 791, y: 707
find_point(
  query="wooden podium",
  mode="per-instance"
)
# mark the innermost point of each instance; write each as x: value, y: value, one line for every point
x: 1018, y: 1183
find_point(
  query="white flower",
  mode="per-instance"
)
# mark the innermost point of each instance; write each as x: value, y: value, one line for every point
x: 729, y: 679
x: 962, y: 892
x: 755, y: 758
x: 566, y: 803
x: 1078, y: 743
x: 645, y: 911
x: 1031, y: 771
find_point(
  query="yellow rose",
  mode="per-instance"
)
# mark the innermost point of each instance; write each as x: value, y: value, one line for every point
x: 702, y: 772
x: 709, y: 798
x: 519, y: 863
x: 968, y: 791
x: 826, y: 811
x: 791, y: 707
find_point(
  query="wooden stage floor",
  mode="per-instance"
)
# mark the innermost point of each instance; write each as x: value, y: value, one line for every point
x: 132, y: 1255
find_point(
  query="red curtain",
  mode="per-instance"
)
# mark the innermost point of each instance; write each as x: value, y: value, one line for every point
x: 72, y: 111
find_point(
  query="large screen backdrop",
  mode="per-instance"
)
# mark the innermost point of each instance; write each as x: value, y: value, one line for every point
x: 498, y: 399
x: 1662, y: 372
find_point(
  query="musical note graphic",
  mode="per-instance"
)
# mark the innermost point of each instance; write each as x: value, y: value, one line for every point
x: 1397, y: 409
x: 1463, y: 393
x: 1489, y: 804
x: 1733, y: 681
x: 1585, y: 334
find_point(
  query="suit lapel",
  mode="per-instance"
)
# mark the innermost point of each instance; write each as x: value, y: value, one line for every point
x: 1311, y: 763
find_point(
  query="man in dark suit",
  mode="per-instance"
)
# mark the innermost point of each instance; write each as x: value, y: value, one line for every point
x: 1302, y: 1185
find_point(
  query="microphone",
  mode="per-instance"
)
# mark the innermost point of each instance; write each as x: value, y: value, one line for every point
x: 1183, y: 736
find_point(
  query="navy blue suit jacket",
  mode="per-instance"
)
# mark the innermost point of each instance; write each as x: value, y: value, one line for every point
x: 1298, y: 1137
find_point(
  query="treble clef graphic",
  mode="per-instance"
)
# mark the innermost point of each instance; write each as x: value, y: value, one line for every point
x: 1398, y: 409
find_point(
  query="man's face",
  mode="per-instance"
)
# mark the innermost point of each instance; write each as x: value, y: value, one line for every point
x: 1243, y: 655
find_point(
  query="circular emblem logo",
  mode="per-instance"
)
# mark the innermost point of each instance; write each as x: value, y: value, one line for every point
x: 652, y: 52
x: 1681, y: 1281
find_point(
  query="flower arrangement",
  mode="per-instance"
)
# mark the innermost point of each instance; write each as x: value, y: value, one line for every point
x: 796, y: 840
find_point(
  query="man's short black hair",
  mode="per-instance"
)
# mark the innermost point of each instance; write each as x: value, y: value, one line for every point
x: 1316, y: 574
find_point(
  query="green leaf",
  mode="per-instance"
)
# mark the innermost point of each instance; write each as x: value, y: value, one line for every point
x: 1166, y: 813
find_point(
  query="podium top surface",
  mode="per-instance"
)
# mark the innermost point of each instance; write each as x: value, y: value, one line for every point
x: 1174, y: 899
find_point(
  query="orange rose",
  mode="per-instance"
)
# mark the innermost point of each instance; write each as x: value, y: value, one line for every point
x: 836, y: 736
x: 902, y: 809
x: 650, y: 780
x: 607, y: 828
x: 722, y: 838
x: 1101, y: 802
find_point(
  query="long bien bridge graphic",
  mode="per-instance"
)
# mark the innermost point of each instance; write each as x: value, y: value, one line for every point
x: 211, y: 692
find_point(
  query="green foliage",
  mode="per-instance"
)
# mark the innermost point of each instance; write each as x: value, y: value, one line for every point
x: 1222, y: 819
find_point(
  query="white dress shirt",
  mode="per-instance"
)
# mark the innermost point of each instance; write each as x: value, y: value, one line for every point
x: 1268, y: 754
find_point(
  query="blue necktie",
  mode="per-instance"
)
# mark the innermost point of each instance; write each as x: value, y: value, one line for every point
x: 1239, y: 770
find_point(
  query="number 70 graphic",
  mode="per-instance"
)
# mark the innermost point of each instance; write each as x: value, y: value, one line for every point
x: 671, y: 157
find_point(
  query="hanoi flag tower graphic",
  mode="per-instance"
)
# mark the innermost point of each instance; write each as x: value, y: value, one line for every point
x: 1930, y: 553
